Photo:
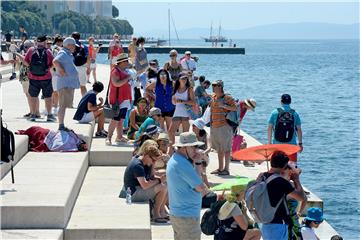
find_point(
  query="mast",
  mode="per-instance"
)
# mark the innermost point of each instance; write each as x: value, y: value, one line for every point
x: 210, y: 31
x: 169, y: 25
x: 219, y: 30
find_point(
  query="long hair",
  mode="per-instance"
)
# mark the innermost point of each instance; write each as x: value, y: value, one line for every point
x: 158, y: 82
x: 140, y: 40
x: 177, y: 85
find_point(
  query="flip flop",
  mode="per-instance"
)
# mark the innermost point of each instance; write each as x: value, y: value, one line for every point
x: 215, y: 171
x: 224, y: 173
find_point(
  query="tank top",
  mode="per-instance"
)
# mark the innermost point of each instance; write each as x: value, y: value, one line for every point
x: 138, y: 120
x: 180, y: 109
x: 163, y: 97
x: 174, y: 71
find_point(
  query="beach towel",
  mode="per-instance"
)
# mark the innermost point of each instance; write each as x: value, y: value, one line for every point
x: 36, y: 138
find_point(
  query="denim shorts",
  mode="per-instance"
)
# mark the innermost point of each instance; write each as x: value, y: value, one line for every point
x: 271, y: 231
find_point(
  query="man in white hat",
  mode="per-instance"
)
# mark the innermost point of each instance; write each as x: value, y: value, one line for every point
x: 187, y: 63
x: 67, y: 78
x: 185, y: 188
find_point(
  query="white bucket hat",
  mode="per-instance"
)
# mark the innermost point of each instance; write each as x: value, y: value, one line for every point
x: 251, y: 103
x: 188, y: 139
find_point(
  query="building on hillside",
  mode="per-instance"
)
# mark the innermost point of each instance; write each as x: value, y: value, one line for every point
x: 101, y: 8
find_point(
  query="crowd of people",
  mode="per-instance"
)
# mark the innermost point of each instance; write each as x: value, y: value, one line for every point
x: 148, y: 103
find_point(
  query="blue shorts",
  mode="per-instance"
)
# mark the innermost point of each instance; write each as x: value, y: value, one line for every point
x: 121, y: 115
x: 272, y: 231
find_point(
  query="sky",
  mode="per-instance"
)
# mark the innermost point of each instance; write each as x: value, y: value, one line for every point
x: 233, y: 15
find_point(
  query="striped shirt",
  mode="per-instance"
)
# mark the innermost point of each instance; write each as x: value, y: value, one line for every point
x: 218, y: 114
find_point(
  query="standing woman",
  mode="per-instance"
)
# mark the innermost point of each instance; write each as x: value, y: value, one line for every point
x: 116, y: 50
x: 141, y: 61
x: 58, y: 43
x: 92, y: 58
x: 173, y: 66
x: 163, y: 89
x: 183, y: 95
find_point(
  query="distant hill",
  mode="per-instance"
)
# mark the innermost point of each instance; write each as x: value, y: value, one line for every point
x: 306, y: 30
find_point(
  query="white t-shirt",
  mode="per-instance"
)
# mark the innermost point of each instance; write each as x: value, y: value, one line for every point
x: 308, y: 233
x: 188, y: 64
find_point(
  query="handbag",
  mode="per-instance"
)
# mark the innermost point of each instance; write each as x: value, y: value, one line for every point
x: 238, y: 142
x: 111, y: 111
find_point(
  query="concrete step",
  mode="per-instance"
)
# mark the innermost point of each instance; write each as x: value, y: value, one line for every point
x: 100, y: 214
x: 116, y: 155
x: 21, y: 148
x: 45, y: 190
x: 24, y: 234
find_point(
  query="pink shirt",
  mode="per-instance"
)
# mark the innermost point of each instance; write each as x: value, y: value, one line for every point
x: 50, y: 58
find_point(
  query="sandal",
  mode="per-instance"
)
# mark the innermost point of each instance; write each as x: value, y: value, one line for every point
x: 108, y: 142
x: 160, y: 220
x: 101, y: 134
x: 215, y: 171
x: 224, y: 173
x: 121, y: 140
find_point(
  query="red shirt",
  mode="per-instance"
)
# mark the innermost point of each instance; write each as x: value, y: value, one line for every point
x: 124, y: 92
x: 243, y: 110
x: 50, y: 58
x: 116, y: 51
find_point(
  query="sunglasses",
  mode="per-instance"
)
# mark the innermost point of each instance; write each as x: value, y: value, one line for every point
x: 317, y: 222
x: 159, y: 115
x: 184, y: 78
x: 216, y: 85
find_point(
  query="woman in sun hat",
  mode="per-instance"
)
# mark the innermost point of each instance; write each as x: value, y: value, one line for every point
x: 313, y: 220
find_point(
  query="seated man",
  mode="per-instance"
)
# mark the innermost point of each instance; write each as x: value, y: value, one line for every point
x: 143, y: 187
x: 88, y: 110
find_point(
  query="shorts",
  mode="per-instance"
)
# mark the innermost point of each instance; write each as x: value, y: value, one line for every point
x: 82, y: 75
x: 87, y: 117
x: 25, y: 86
x: 141, y: 195
x: 274, y: 231
x: 186, y: 228
x: 180, y: 119
x: 54, y: 82
x: 66, y: 97
x: 221, y: 138
x: 92, y: 65
x: 44, y: 85
x: 167, y: 114
x: 121, y: 115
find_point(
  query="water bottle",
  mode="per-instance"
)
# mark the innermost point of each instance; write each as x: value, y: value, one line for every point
x: 128, y: 195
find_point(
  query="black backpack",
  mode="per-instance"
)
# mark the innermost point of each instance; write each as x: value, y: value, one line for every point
x: 80, y: 57
x: 7, y: 146
x: 39, y: 65
x: 210, y: 221
x: 285, y: 125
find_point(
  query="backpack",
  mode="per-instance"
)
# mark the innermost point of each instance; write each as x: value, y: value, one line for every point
x: 210, y: 221
x: 7, y: 146
x: 39, y: 62
x: 258, y: 201
x: 233, y: 118
x: 285, y: 125
x: 80, y: 57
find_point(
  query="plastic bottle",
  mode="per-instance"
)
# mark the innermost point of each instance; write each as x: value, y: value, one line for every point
x: 128, y: 195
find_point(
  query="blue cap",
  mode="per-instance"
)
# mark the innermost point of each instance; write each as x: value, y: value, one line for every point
x: 314, y: 214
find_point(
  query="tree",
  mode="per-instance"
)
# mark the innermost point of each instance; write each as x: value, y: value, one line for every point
x: 66, y: 26
x: 115, y: 12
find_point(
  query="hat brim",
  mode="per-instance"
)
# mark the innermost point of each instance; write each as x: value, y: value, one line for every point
x: 121, y: 60
x: 249, y: 105
x: 198, y: 143
x: 315, y: 220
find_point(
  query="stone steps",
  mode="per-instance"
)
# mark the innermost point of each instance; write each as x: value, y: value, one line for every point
x: 24, y: 234
x: 100, y: 214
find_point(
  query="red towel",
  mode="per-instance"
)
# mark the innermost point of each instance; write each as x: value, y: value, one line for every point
x: 36, y: 138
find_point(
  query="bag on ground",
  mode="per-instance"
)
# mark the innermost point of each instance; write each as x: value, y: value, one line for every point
x: 258, y: 201
x: 285, y: 125
x: 210, y: 221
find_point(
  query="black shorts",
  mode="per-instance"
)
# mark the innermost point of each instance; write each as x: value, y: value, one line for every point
x: 168, y: 114
x: 36, y: 85
x: 122, y: 114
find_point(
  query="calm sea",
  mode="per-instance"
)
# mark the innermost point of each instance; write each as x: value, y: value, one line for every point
x: 322, y: 76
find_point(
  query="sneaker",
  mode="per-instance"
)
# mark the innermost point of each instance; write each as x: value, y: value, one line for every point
x: 108, y: 142
x: 63, y: 128
x: 51, y: 118
x: 101, y: 134
x: 27, y: 115
x: 13, y: 76
x: 32, y: 118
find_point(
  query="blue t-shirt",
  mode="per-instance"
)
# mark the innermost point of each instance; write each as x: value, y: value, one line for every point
x: 272, y: 120
x: 182, y: 180
x: 71, y: 77
x: 149, y: 121
x: 89, y: 97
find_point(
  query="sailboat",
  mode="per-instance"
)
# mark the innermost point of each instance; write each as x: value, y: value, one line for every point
x: 217, y: 38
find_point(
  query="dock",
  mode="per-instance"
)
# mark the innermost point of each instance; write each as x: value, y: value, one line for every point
x: 68, y: 196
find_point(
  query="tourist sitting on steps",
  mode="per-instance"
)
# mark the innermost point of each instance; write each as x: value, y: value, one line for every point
x: 137, y: 177
x: 88, y: 110
x: 235, y: 222
x: 138, y: 115
x: 153, y: 119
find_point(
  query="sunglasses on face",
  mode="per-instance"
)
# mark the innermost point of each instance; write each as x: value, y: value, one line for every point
x: 216, y: 85
x: 317, y: 222
x: 184, y: 78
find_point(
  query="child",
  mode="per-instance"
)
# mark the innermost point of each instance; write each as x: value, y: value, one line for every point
x: 153, y: 119
x: 88, y: 110
x: 313, y: 220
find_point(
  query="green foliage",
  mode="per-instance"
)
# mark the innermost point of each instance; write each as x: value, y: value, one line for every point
x: 16, y: 13
x: 115, y: 12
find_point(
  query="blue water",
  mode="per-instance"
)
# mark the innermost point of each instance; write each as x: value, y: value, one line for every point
x: 322, y: 76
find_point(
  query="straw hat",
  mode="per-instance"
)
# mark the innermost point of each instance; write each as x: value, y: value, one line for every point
x: 250, y: 103
x: 188, y: 139
x: 122, y: 57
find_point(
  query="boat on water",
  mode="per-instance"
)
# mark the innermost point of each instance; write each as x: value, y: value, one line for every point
x: 217, y: 38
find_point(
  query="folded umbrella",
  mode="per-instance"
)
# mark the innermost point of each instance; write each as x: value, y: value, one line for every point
x: 227, y: 185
